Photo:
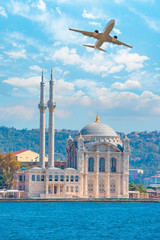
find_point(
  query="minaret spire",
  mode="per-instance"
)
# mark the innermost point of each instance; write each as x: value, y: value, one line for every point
x: 51, y: 105
x: 42, y: 106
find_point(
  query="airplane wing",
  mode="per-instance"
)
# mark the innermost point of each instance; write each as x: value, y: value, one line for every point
x: 116, y: 41
x: 89, y: 34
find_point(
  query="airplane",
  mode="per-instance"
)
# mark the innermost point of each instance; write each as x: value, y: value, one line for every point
x: 102, y: 37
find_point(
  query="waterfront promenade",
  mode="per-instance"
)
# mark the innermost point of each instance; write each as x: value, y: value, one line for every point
x: 106, y: 200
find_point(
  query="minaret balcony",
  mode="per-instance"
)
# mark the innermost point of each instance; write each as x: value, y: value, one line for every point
x: 51, y: 105
x: 42, y: 106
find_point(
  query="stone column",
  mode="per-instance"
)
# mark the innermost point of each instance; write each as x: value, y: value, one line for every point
x: 97, y: 174
x: 85, y: 176
x: 42, y: 106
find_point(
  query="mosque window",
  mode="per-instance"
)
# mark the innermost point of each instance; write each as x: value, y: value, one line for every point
x: 76, y: 178
x: 38, y: 177
x: 91, y: 164
x: 112, y: 188
x: 76, y: 189
x: 56, y: 178
x: 71, y: 178
x: 20, y: 178
x: 90, y: 186
x: 113, y: 165
x: 67, y: 178
x: 50, y: 177
x: 101, y: 188
x: 42, y: 178
x: 33, y: 177
x: 71, y: 188
x: 62, y: 178
x: 102, y: 165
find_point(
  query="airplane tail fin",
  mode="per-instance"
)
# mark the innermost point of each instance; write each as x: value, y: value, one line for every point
x: 92, y: 46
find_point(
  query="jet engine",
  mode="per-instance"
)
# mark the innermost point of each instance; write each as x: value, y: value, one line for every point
x: 114, y: 38
x: 95, y: 33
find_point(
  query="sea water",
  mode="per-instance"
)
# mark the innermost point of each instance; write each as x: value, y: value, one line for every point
x: 74, y: 220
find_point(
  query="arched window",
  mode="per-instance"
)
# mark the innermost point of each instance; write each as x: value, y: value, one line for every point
x: 33, y: 177
x: 62, y: 178
x: 72, y: 178
x: 113, y: 187
x: 50, y: 177
x: 20, y: 178
x: 102, y: 165
x: 56, y: 178
x: 113, y: 165
x: 91, y: 164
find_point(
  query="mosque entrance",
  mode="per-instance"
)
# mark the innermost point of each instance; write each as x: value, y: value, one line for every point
x: 55, y: 189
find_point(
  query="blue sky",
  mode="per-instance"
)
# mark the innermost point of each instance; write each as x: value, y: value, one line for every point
x: 122, y: 85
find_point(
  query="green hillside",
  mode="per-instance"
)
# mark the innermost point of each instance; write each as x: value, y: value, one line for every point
x: 145, y: 146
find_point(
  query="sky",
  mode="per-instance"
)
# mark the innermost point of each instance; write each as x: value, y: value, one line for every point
x: 122, y: 85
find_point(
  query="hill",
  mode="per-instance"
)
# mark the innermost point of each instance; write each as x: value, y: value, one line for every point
x: 145, y: 146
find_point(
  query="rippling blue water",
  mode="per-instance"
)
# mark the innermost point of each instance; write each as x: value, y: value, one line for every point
x: 56, y: 221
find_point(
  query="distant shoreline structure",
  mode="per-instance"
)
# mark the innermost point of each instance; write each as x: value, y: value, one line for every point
x: 98, y: 200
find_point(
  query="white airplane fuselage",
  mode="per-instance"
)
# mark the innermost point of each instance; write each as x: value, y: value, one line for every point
x: 105, y: 37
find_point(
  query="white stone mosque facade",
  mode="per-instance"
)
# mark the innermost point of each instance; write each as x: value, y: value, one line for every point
x: 97, y: 161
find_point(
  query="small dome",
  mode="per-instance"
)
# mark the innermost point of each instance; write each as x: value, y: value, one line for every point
x: 98, y: 129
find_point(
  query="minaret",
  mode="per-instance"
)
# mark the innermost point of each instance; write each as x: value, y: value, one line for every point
x: 51, y: 106
x: 42, y: 106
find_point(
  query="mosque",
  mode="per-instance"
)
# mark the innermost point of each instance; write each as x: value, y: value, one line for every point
x: 97, y: 161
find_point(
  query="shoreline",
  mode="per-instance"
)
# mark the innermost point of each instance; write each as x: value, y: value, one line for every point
x: 99, y: 200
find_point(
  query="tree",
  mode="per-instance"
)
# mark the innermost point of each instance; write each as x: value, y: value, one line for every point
x: 8, y: 165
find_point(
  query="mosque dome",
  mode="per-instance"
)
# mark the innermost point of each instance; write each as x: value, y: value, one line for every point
x: 98, y: 129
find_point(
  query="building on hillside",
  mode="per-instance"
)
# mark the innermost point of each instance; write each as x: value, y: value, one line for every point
x: 97, y: 161
x: 153, y: 181
x: 60, y: 164
x: 134, y: 173
x: 28, y: 156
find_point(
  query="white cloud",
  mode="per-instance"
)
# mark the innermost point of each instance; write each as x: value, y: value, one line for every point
x: 35, y: 68
x: 64, y: 87
x: 99, y: 62
x: 63, y: 113
x: 17, y: 54
x: 59, y: 10
x: 119, y: 1
x: 21, y: 82
x: 127, y: 85
x: 117, y: 31
x: 131, y: 60
x: 18, y: 112
x: 67, y: 56
x: 86, y: 14
x: 41, y: 5
x: 152, y: 23
x: 95, y: 24
x: 3, y: 12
